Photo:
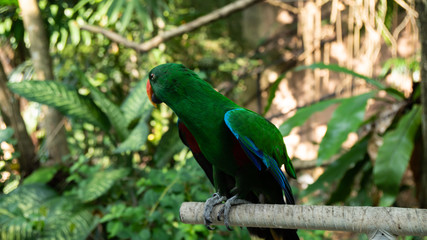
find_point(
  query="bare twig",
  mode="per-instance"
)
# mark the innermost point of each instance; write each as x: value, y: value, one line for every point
x: 408, y: 8
x: 310, y: 164
x: 283, y: 6
x: 397, y: 221
x: 164, y: 36
x: 115, y: 37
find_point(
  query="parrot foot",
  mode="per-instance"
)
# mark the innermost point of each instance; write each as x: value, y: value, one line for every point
x: 209, y: 205
x: 224, y: 213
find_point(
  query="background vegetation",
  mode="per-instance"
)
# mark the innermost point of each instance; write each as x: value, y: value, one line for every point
x: 121, y: 171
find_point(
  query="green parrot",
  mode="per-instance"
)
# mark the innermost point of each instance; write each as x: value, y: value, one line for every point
x: 240, y: 151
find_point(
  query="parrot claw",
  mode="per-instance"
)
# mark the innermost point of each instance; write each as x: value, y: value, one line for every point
x: 209, y: 205
x: 224, y: 213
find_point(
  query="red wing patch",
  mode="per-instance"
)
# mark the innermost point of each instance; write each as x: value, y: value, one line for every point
x: 239, y: 154
x: 188, y: 138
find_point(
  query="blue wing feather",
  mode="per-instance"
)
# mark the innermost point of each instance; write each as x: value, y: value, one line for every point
x: 251, y: 156
x: 248, y: 145
x: 260, y: 159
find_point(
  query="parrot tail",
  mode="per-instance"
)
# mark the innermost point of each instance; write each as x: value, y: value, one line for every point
x: 271, y: 233
x: 274, y: 233
x: 284, y: 234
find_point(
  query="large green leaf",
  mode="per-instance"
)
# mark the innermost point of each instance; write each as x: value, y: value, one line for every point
x: 304, y: 113
x: 74, y: 32
x: 6, y: 134
x: 336, y: 170
x: 32, y: 195
x: 41, y: 175
x: 394, y: 154
x: 273, y: 90
x: 113, y: 12
x: 100, y: 183
x: 16, y: 227
x: 345, y: 119
x: 333, y: 67
x: 136, y: 138
x: 345, y: 186
x: 143, y: 16
x: 67, y: 221
x: 336, y: 68
x: 62, y: 97
x: 9, y: 2
x: 113, y: 112
x: 137, y: 103
x: 363, y: 190
x: 103, y: 7
x: 169, y: 145
x: 127, y: 14
x: 19, y: 210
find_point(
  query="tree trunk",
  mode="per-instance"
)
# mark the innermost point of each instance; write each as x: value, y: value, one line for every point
x: 53, y: 122
x: 421, y: 6
x: 12, y: 116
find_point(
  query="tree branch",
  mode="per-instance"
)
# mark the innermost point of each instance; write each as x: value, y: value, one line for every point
x: 397, y: 221
x: 164, y: 36
x: 310, y: 164
x: 115, y: 37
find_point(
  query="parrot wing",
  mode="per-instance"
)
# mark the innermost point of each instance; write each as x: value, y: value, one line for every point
x: 188, y: 139
x: 263, y: 144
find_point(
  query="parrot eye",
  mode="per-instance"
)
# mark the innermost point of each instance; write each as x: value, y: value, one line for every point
x: 151, y: 76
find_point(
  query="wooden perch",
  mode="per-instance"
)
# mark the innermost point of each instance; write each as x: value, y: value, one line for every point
x: 188, y: 27
x: 397, y: 221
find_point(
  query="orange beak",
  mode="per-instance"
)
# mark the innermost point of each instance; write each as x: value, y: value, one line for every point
x: 150, y: 93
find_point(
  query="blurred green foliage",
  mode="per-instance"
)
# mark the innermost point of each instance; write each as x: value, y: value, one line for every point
x: 128, y: 172
x: 357, y: 176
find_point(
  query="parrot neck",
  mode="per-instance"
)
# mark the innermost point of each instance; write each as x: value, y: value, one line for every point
x: 200, y: 107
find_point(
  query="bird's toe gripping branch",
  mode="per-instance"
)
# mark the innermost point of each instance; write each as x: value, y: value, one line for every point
x: 209, y: 205
x: 224, y: 213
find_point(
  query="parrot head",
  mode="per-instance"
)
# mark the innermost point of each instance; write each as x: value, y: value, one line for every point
x: 168, y: 82
x: 153, y: 98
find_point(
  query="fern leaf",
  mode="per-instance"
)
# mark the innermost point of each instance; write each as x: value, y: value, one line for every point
x: 41, y: 175
x: 169, y: 145
x: 62, y: 97
x: 67, y: 221
x: 100, y: 183
x: 137, y: 103
x: 35, y: 211
x: 31, y: 194
x: 113, y: 112
x: 17, y: 228
x: 19, y: 211
x: 136, y: 139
